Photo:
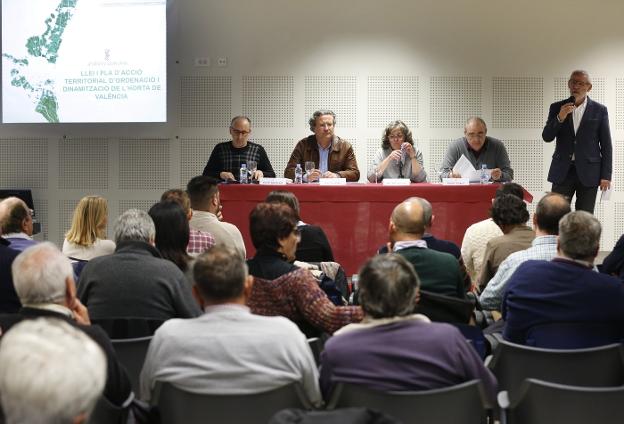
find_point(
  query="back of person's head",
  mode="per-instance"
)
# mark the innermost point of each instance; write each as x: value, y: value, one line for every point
x: 579, y: 235
x: 134, y: 225
x: 13, y: 212
x: 172, y: 232
x: 179, y: 196
x: 286, y: 197
x: 89, y: 221
x: 40, y: 274
x: 508, y: 209
x: 50, y: 373
x: 201, y: 189
x: 388, y: 286
x: 510, y: 188
x: 427, y: 210
x: 408, y: 217
x: 269, y: 223
x: 550, y: 209
x: 219, y: 274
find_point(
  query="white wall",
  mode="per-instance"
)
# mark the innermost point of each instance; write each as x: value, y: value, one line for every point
x: 431, y: 64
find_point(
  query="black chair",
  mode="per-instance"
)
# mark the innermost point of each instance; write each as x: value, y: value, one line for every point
x: 591, y: 367
x: 541, y: 402
x: 128, y: 328
x: 464, y: 403
x: 107, y: 413
x: 440, y: 308
x: 178, y: 406
x: 573, y: 335
x: 131, y: 353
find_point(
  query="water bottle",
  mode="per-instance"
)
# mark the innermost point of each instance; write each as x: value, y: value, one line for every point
x: 298, y: 174
x: 483, y: 178
x: 244, y: 176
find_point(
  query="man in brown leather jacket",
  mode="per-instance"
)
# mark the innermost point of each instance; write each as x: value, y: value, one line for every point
x: 333, y: 157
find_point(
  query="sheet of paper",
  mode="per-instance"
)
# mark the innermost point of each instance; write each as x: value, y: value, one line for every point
x: 475, y: 176
x: 605, y: 195
x: 463, y: 167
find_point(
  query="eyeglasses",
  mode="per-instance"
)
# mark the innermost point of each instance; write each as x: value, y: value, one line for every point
x: 578, y: 82
x: 396, y: 136
x: 239, y: 132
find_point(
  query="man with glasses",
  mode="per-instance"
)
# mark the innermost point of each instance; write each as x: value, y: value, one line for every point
x: 16, y: 221
x: 333, y: 156
x: 582, y: 159
x: 480, y: 150
x: 227, y: 157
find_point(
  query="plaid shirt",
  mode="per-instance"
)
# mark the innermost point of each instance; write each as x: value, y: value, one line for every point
x: 199, y: 242
x: 542, y: 248
x: 225, y: 157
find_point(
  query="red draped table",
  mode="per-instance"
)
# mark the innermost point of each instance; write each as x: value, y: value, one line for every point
x: 355, y: 217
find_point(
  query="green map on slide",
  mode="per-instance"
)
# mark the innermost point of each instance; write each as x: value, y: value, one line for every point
x: 44, y: 46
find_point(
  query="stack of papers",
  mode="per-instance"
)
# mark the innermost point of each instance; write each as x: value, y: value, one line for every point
x: 464, y: 168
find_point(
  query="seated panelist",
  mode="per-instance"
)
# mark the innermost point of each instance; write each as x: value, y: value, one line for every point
x: 479, y: 149
x: 227, y: 157
x: 332, y: 156
x: 397, y: 157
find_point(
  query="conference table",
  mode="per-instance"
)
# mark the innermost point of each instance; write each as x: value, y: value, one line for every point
x: 355, y: 216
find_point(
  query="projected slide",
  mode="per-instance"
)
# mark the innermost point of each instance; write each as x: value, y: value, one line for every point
x: 84, y: 61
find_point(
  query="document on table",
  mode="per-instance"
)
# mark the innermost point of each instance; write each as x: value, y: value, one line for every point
x: 464, y: 168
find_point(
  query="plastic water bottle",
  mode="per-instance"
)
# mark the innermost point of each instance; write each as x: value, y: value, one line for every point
x: 483, y: 178
x: 244, y: 175
x: 298, y: 174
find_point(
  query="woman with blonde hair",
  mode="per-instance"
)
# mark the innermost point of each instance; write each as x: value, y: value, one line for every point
x: 86, y: 239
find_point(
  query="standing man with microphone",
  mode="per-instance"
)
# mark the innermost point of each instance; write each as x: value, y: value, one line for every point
x: 582, y: 159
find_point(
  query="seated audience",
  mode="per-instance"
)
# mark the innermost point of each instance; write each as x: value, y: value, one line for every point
x: 511, y: 215
x: 314, y: 246
x: 172, y: 235
x: 566, y: 289
x: 550, y: 209
x: 49, y: 373
x: 478, y: 234
x: 16, y: 221
x: 86, y: 239
x: 613, y: 264
x: 333, y: 156
x: 397, y: 157
x: 393, y: 349
x: 45, y: 285
x: 9, y: 302
x: 439, y: 272
x: 135, y: 281
x: 228, y: 350
x: 280, y: 287
x: 199, y: 241
x: 206, y: 204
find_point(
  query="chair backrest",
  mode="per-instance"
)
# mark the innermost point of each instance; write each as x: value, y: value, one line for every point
x: 107, y: 413
x: 179, y: 406
x: 463, y: 403
x: 541, y: 402
x: 131, y: 353
x: 591, y: 367
x: 573, y: 335
x: 128, y: 328
x: 440, y: 308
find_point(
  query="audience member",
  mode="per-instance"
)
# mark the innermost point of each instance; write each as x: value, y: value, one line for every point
x: 172, y: 234
x: 550, y: 209
x: 206, y: 204
x: 280, y: 287
x: 314, y: 246
x: 613, y: 264
x: 566, y: 289
x: 227, y: 157
x: 393, y: 349
x: 480, y: 150
x: 49, y: 373
x: 397, y: 157
x: 333, y: 156
x: 86, y: 239
x: 135, y: 281
x: 16, y: 221
x: 199, y: 241
x: 478, y: 234
x: 45, y: 286
x: 228, y: 350
x: 439, y: 272
x: 510, y: 214
x: 9, y: 302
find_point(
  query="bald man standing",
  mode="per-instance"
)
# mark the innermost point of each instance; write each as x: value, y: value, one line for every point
x: 439, y: 272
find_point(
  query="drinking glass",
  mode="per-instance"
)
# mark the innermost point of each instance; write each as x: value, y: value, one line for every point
x: 309, y: 166
x: 252, y: 166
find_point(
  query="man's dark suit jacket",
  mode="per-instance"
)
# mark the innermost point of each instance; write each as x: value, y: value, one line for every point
x: 9, y: 302
x: 118, y: 388
x: 591, y: 145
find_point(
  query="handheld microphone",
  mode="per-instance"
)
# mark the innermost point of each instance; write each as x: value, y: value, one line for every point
x: 571, y: 99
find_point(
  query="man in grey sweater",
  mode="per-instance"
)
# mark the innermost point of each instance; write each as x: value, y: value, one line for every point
x: 480, y: 150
